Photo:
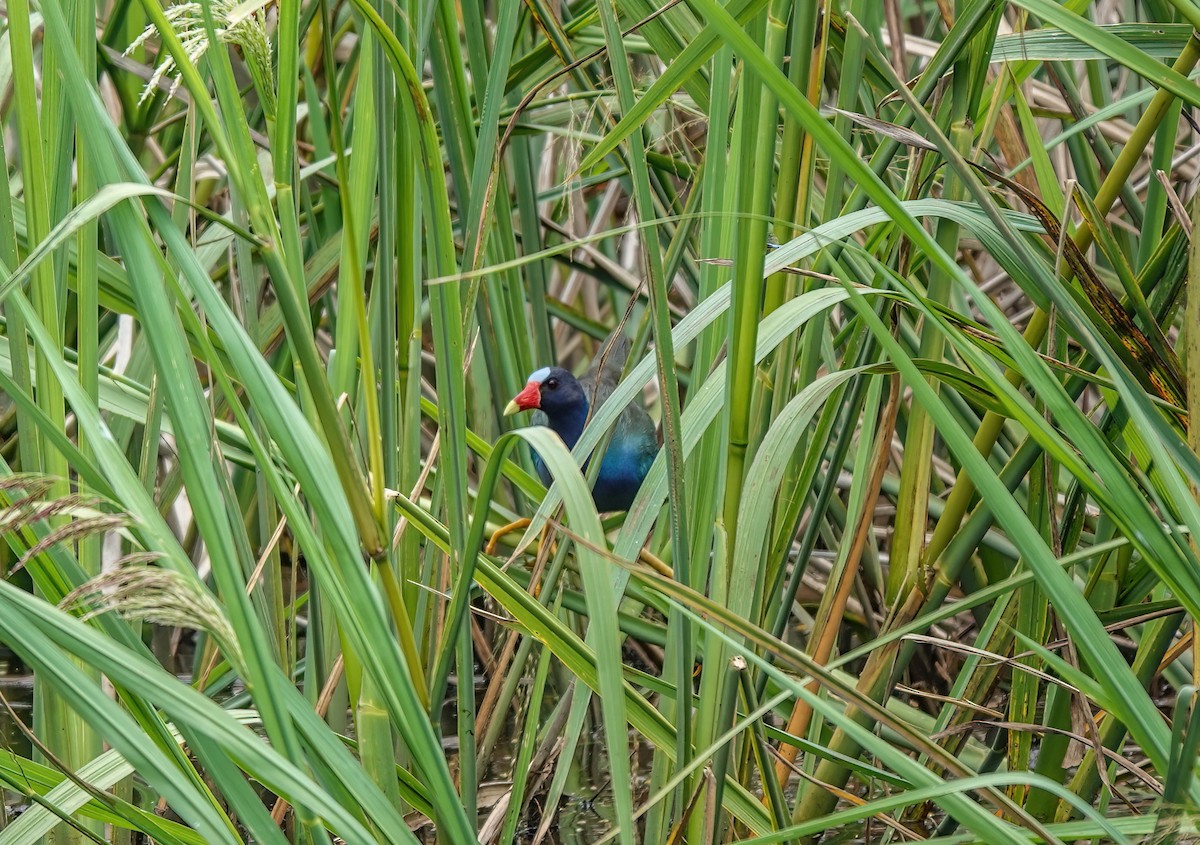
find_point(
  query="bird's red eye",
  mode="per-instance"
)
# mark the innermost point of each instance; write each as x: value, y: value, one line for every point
x: 551, y: 383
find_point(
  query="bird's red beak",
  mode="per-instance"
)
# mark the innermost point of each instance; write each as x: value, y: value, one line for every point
x: 527, y: 399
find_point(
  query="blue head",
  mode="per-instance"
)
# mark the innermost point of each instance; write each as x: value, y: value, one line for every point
x: 558, y: 395
x: 563, y: 401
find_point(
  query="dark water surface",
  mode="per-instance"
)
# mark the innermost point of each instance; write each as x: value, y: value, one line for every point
x: 582, y: 816
x: 16, y: 687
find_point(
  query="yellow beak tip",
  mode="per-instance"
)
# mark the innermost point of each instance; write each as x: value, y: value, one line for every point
x: 512, y: 408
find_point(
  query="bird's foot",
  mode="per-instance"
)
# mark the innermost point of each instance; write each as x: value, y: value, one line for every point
x: 517, y: 525
x: 654, y: 562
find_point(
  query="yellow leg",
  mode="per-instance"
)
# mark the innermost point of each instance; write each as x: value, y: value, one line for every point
x: 521, y: 523
x: 646, y: 556
x: 650, y: 559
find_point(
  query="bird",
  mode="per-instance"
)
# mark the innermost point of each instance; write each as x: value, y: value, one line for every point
x: 561, y: 402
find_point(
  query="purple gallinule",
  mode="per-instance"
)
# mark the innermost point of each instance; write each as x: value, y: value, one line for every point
x: 562, y: 402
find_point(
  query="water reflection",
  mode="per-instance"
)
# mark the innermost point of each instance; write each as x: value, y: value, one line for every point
x: 583, y: 814
x: 16, y: 686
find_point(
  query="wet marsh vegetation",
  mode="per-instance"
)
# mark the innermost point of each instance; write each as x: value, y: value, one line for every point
x: 911, y: 298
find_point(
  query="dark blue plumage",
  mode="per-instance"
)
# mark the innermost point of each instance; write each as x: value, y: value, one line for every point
x: 562, y: 401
